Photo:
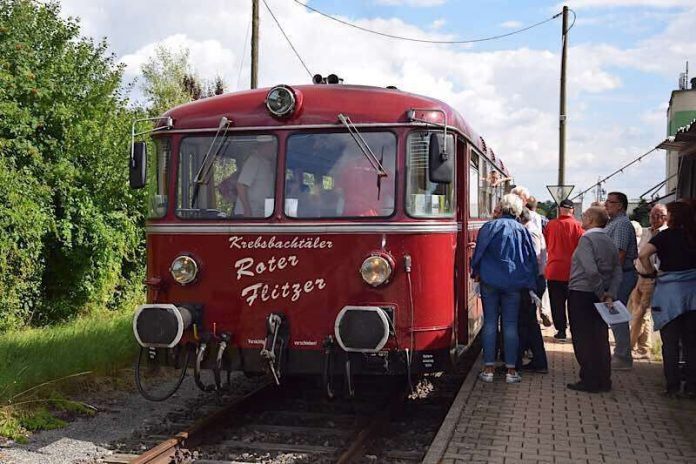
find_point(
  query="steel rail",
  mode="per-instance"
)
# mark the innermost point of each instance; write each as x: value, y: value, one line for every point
x: 382, y: 417
x: 166, y: 452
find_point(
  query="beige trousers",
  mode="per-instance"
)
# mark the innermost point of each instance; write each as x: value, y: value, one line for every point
x: 641, y: 322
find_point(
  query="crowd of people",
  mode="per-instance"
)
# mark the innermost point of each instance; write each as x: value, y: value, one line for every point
x: 519, y: 255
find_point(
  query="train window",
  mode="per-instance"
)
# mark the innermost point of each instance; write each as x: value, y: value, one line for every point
x: 158, y: 184
x: 473, y: 188
x: 484, y: 190
x: 338, y: 180
x: 425, y: 198
x: 237, y: 178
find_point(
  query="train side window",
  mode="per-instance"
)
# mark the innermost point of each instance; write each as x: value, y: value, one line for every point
x: 484, y: 189
x: 473, y: 187
x: 158, y: 187
x: 425, y: 198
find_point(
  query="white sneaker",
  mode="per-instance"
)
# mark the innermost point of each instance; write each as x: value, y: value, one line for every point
x: 513, y: 378
x: 486, y: 376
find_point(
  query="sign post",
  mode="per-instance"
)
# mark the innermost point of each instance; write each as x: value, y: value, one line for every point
x: 560, y: 192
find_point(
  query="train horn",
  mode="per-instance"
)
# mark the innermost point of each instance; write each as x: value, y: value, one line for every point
x: 318, y: 79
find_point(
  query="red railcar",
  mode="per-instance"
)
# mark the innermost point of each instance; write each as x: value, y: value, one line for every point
x: 314, y: 230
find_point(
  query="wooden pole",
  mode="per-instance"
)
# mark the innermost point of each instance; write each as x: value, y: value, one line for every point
x: 562, y: 116
x: 254, y: 43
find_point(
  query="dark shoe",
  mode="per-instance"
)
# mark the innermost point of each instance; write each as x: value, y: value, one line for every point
x: 620, y: 365
x: 529, y: 367
x: 560, y: 335
x: 546, y: 320
x: 581, y: 387
x: 669, y: 393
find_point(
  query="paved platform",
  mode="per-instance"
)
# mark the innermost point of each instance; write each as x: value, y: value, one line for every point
x: 540, y: 420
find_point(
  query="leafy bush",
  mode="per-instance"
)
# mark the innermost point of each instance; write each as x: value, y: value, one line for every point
x: 71, y: 235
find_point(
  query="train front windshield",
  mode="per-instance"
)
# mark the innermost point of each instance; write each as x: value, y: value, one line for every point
x: 329, y: 176
x: 326, y: 176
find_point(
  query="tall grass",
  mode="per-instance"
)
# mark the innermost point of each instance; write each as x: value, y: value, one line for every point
x: 100, y: 343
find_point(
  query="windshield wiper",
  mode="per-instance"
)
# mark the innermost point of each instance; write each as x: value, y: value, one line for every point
x: 362, y: 144
x: 204, y: 171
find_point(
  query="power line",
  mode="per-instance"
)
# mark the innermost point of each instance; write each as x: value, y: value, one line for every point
x: 411, y: 39
x: 618, y: 171
x: 288, y: 39
x: 241, y: 62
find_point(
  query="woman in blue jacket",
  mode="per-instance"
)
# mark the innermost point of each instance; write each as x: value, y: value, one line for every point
x: 505, y: 264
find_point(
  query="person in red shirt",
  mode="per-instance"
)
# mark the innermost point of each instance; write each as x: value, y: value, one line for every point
x: 562, y: 236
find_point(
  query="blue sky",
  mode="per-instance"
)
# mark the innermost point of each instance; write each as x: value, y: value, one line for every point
x: 624, y: 60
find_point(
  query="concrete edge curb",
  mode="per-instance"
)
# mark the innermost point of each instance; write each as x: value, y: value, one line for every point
x: 439, y: 444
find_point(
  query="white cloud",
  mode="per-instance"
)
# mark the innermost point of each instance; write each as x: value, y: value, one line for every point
x: 437, y: 24
x: 509, y: 96
x: 416, y: 3
x: 578, y: 4
x: 511, y: 24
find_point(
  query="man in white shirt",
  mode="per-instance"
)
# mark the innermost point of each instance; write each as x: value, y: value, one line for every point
x: 256, y: 181
x: 639, y: 302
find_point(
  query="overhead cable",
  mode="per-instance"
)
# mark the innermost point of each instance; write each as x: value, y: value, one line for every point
x: 288, y: 39
x: 618, y: 171
x: 241, y: 62
x: 411, y: 39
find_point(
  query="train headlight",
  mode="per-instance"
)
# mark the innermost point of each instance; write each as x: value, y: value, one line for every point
x: 184, y: 269
x: 376, y: 270
x: 280, y: 101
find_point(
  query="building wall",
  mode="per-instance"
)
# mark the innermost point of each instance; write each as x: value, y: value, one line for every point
x: 681, y: 111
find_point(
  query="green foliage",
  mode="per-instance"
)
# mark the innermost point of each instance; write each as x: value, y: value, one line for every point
x: 641, y: 213
x: 548, y: 209
x: 41, y: 419
x: 170, y: 81
x: 39, y: 366
x: 98, y: 344
x: 70, y: 229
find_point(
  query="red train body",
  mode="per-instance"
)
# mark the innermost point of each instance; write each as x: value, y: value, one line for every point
x: 354, y: 260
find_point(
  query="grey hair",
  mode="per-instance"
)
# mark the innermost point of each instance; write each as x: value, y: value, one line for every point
x: 520, y: 191
x: 525, y: 216
x: 511, y: 204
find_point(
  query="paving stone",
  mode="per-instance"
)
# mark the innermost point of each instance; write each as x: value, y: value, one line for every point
x: 540, y: 420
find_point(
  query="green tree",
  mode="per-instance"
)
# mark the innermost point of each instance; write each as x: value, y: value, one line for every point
x: 169, y: 80
x: 548, y: 209
x: 641, y: 213
x: 71, y: 234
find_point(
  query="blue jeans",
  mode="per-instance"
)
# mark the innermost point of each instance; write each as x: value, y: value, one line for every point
x: 622, y: 332
x: 496, y: 302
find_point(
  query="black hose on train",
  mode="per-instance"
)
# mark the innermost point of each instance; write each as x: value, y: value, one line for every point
x: 138, y: 380
x: 200, y: 355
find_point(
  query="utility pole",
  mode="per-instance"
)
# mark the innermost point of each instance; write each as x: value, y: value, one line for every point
x: 562, y: 116
x: 254, y: 43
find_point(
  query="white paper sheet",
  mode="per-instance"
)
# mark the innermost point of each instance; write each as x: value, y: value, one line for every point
x: 616, y: 315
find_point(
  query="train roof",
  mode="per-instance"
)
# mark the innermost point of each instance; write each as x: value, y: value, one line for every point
x: 320, y: 104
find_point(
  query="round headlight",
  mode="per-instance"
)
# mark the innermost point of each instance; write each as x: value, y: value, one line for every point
x: 280, y: 101
x: 184, y: 269
x: 376, y: 270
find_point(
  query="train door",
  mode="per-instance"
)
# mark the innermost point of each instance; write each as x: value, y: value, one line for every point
x: 473, y: 223
x: 461, y: 256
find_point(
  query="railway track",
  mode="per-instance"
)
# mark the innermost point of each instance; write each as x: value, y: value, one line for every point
x: 296, y: 424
